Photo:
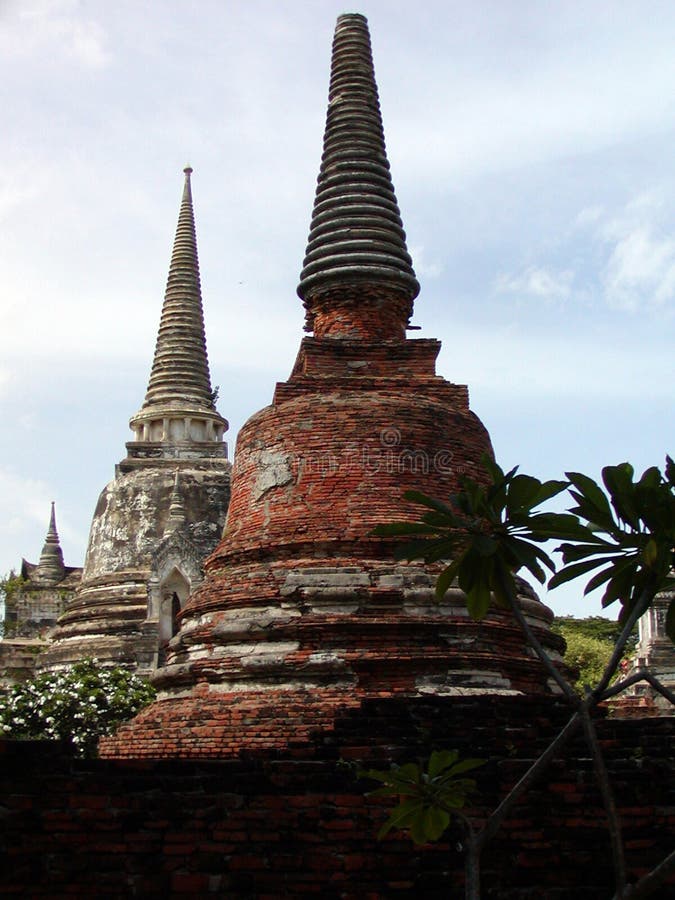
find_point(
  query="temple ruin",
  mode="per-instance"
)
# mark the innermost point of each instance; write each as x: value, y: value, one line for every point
x: 164, y: 510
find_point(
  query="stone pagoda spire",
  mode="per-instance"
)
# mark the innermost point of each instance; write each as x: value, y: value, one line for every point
x: 358, y: 279
x: 164, y: 511
x: 50, y: 569
x: 179, y: 403
x: 304, y: 613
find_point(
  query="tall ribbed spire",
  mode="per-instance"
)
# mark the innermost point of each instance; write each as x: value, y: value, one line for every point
x: 180, y: 370
x: 51, y: 569
x: 356, y: 254
x: 179, y: 405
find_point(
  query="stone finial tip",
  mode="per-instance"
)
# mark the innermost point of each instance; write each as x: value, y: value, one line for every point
x: 352, y: 15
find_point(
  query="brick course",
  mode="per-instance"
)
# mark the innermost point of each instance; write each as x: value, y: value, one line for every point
x: 285, y: 824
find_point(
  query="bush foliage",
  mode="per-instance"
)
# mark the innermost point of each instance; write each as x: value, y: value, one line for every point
x: 590, y: 643
x: 77, y: 705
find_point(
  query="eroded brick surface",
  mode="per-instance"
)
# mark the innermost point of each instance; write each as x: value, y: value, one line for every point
x: 282, y: 824
x: 303, y: 609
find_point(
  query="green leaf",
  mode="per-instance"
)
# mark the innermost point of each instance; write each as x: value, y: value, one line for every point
x: 598, y: 547
x: 435, y: 821
x: 429, y: 502
x: 495, y: 472
x: 528, y: 555
x: 408, y: 773
x: 650, y: 479
x: 418, y: 828
x: 478, y: 600
x: 443, y: 549
x: 650, y: 552
x: 395, y: 529
x: 402, y: 816
x: 423, y: 549
x: 619, y: 482
x: 465, y: 765
x: 558, y: 526
x: 593, y: 498
x: 568, y: 573
x: 445, y: 579
x: 599, y: 579
x: 440, y: 760
x: 550, y: 489
x: 619, y: 587
x: 523, y: 491
x: 484, y: 545
x: 390, y: 790
x: 670, y: 471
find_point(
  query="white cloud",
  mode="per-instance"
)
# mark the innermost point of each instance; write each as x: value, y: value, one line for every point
x: 589, y: 216
x: 536, y: 281
x: 53, y: 27
x: 5, y: 381
x: 512, y: 363
x: 424, y: 268
x: 639, y: 272
x: 636, y: 269
x: 634, y: 260
x: 20, y: 183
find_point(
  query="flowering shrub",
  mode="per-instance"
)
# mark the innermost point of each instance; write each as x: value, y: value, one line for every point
x: 77, y: 704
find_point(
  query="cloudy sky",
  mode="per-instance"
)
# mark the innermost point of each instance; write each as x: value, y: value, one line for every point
x: 531, y: 146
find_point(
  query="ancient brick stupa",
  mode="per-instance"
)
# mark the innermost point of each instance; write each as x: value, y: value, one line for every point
x: 164, y: 511
x: 303, y: 613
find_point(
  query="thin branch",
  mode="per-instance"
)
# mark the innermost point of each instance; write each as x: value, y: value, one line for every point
x: 495, y: 820
x: 471, y: 858
x: 613, y: 821
x: 562, y: 683
x: 642, y: 675
x: 651, y: 881
x: 640, y: 607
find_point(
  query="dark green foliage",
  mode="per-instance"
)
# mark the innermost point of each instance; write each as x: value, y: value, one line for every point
x: 489, y: 533
x: 428, y: 798
x: 630, y: 537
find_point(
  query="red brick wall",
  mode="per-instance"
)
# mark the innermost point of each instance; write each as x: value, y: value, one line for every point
x: 297, y: 823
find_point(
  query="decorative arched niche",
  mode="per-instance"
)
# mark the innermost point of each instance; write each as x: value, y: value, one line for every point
x: 174, y: 590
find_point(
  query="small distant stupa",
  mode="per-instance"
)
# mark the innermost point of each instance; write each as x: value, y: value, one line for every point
x: 164, y: 511
x: 33, y: 603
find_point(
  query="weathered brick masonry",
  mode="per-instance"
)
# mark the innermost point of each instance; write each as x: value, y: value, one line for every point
x: 304, y: 612
x: 297, y: 823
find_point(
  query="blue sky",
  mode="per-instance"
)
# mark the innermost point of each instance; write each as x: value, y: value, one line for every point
x: 531, y: 146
